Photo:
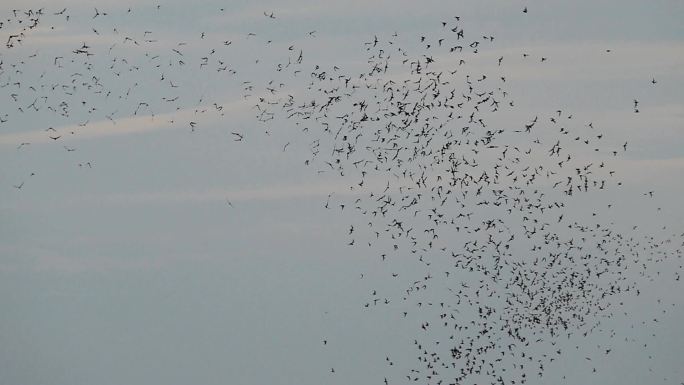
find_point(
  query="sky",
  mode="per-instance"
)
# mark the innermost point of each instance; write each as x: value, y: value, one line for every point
x: 148, y: 245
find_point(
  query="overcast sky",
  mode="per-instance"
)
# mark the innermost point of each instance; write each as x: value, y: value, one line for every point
x: 145, y: 250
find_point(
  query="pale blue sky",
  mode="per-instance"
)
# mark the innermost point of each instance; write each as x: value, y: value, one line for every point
x: 137, y: 271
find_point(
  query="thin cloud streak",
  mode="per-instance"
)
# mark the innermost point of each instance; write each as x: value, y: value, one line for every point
x: 121, y: 126
x: 257, y: 194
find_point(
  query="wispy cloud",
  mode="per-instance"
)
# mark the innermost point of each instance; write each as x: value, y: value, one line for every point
x: 51, y: 6
x: 121, y: 126
x: 577, y: 60
x: 232, y: 195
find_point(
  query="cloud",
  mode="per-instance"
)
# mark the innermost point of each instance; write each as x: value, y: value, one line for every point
x: 261, y: 193
x: 121, y: 126
x: 576, y: 60
x: 51, y: 261
x: 50, y: 6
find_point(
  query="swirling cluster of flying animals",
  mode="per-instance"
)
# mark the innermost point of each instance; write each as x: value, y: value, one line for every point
x: 483, y: 205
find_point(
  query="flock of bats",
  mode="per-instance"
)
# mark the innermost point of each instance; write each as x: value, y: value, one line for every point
x: 508, y: 269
